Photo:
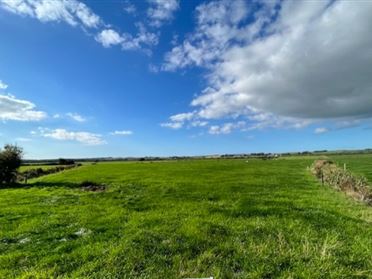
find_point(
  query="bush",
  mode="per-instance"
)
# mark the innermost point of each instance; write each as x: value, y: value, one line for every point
x: 356, y: 186
x: 37, y: 172
x: 62, y: 161
x: 10, y: 161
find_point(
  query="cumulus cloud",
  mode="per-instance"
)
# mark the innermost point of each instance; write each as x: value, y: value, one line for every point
x: 15, y: 109
x: 295, y: 63
x: 109, y: 37
x: 217, y: 26
x: 65, y: 135
x: 71, y: 12
x: 161, y: 11
x: 3, y: 85
x: 122, y: 133
x: 75, y: 116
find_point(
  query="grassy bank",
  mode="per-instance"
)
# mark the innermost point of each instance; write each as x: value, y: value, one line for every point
x: 358, y: 164
x: 221, y: 218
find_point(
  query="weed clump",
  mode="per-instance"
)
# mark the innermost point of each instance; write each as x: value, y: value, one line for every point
x: 92, y: 186
x: 341, y: 179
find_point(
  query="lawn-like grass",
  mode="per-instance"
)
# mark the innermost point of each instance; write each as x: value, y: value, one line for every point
x: 178, y: 219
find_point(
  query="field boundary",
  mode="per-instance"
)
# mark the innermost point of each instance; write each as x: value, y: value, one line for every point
x: 343, y: 180
x: 38, y: 172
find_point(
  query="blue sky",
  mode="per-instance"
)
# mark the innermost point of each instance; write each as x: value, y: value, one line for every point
x: 169, y: 77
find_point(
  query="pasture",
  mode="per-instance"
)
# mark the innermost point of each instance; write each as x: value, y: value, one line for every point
x: 182, y: 219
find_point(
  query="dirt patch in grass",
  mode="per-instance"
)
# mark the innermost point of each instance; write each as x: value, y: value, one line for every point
x: 90, y: 186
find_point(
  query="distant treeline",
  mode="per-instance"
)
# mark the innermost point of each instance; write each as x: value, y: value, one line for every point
x: 54, y: 162
x: 261, y: 155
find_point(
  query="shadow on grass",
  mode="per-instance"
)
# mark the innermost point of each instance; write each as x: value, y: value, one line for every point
x: 319, y: 218
x: 41, y: 185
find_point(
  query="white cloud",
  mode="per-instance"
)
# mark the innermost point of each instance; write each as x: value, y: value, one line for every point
x: 72, y: 12
x: 109, y: 37
x: 153, y: 68
x: 296, y: 63
x: 129, y: 8
x: 76, y: 13
x: 181, y: 117
x: 178, y: 120
x: 217, y: 25
x: 226, y: 128
x: 3, y: 85
x: 321, y: 130
x: 122, y: 133
x: 77, y: 117
x: 172, y: 125
x: 65, y: 135
x: 142, y: 38
x: 198, y: 123
x: 12, y: 108
x: 161, y: 11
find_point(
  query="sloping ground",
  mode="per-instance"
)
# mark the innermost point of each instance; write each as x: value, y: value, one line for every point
x: 358, y: 164
x: 221, y: 218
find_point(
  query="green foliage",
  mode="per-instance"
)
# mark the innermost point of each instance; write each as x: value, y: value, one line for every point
x: 182, y: 219
x: 10, y: 161
x: 40, y: 171
x: 62, y: 161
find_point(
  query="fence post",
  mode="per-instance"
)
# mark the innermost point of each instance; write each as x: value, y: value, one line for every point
x: 322, y: 177
x: 344, y: 166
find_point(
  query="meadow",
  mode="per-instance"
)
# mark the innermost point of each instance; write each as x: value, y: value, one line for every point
x: 183, y: 219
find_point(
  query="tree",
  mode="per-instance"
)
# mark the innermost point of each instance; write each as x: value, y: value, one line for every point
x: 62, y: 161
x: 10, y: 161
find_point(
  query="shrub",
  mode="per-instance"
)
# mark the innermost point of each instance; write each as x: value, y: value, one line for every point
x: 62, y: 161
x: 356, y: 186
x: 10, y: 161
x: 37, y: 172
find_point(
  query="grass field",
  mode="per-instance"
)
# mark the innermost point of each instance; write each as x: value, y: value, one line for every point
x: 179, y: 219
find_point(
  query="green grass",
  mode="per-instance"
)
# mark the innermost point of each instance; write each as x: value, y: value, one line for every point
x: 179, y: 219
x: 358, y: 164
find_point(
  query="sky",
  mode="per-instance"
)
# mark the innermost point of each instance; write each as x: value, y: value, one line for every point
x: 184, y: 77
